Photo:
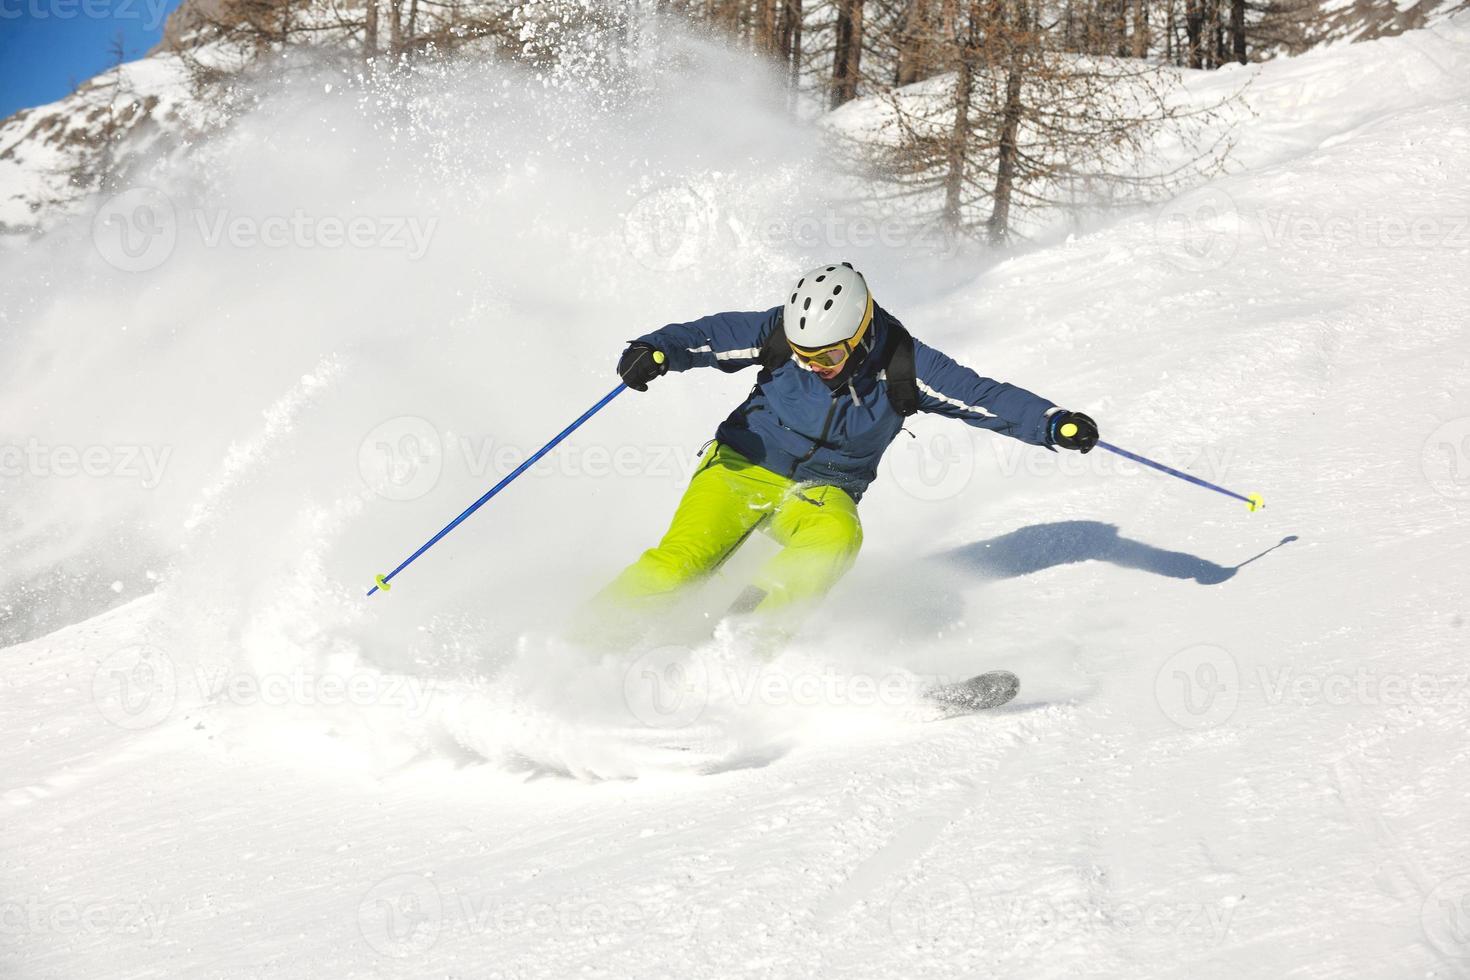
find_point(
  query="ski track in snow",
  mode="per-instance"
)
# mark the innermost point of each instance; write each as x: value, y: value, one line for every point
x: 1240, y: 746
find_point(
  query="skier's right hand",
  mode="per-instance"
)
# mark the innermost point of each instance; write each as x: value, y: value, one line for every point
x: 640, y: 364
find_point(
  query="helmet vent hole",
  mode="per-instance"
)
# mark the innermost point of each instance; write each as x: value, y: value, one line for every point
x: 807, y: 304
x: 836, y: 289
x: 800, y: 281
x: 831, y: 268
x: 820, y: 278
x: 827, y: 305
x: 802, y: 324
x: 793, y: 297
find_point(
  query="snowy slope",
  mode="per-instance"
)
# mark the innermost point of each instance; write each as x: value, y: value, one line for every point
x: 1220, y: 765
x: 141, y: 108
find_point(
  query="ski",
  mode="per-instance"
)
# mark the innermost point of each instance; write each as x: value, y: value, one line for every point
x: 989, y: 690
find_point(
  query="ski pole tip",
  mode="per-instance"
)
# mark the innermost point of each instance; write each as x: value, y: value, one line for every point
x: 1254, y: 503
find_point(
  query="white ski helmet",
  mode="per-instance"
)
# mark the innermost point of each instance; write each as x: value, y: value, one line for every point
x: 830, y: 305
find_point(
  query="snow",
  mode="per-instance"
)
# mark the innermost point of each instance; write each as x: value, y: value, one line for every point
x: 1240, y: 744
x: 39, y: 146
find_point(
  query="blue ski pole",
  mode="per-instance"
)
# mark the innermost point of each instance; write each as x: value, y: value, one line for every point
x: 1252, y: 501
x: 383, y: 580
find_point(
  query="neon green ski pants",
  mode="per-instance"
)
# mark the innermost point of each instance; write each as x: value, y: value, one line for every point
x: 817, y: 527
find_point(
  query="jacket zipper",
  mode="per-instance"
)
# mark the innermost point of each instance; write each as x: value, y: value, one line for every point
x: 826, y: 425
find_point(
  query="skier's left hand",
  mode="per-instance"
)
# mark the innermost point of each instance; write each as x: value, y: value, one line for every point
x: 1073, y: 430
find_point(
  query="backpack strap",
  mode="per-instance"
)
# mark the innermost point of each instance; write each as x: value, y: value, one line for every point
x: 775, y: 351
x: 900, y: 374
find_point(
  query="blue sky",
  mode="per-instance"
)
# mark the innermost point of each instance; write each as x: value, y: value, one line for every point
x: 48, y: 46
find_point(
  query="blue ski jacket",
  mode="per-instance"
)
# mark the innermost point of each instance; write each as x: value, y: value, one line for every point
x: 793, y: 424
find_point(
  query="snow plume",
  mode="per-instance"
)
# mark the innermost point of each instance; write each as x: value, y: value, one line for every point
x: 275, y: 368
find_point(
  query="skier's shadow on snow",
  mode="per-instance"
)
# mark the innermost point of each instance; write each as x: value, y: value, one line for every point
x: 1040, y: 546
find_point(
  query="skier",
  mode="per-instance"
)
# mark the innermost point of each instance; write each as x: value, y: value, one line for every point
x: 838, y: 376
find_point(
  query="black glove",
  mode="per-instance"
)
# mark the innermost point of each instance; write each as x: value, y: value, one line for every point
x: 640, y: 364
x: 1073, y: 430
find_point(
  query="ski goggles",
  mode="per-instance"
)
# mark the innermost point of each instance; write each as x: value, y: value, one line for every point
x: 837, y: 354
x: 828, y: 357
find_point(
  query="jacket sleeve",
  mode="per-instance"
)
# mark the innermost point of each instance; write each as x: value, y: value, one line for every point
x: 728, y: 341
x: 947, y: 387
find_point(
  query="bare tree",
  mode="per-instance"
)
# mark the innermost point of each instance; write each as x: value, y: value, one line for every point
x: 848, y: 51
x: 1028, y: 128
